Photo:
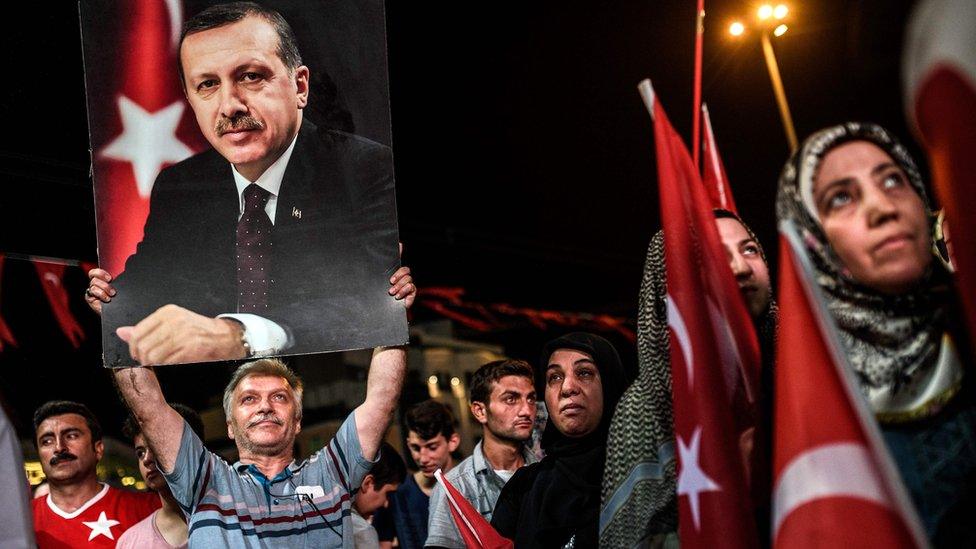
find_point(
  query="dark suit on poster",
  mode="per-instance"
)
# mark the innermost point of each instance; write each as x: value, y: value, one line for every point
x: 335, y: 247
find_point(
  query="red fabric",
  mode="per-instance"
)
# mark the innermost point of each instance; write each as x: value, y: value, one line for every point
x: 52, y: 280
x: 713, y: 171
x: 815, y: 417
x: 6, y: 336
x: 142, y: 71
x: 711, y: 328
x: 476, y: 532
x: 55, y: 530
x: 945, y: 109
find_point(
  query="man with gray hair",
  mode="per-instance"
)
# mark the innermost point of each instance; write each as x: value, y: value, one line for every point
x: 267, y: 498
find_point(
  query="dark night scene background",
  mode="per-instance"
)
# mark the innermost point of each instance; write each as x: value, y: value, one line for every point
x: 524, y: 164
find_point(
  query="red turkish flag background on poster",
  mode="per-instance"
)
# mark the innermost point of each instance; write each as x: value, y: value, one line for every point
x: 714, y: 354
x: 834, y: 485
x: 139, y: 120
x: 713, y: 171
x: 940, y: 69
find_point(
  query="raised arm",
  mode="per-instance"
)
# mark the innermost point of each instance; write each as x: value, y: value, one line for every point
x: 386, y: 372
x: 161, y: 425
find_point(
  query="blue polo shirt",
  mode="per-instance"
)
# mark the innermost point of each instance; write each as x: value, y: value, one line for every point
x: 308, y: 504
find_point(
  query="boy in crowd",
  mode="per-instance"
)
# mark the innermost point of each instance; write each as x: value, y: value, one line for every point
x: 384, y: 477
x: 431, y: 438
x: 166, y: 528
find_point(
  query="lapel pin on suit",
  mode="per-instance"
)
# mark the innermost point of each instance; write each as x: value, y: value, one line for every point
x: 296, y: 213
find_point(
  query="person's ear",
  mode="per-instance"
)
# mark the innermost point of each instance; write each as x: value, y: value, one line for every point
x: 230, y: 431
x: 453, y: 442
x: 369, y: 484
x: 302, y: 85
x: 99, y: 448
x: 479, y: 411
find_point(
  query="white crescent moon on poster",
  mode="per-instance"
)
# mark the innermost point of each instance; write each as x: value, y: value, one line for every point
x: 677, y: 323
x: 175, y: 9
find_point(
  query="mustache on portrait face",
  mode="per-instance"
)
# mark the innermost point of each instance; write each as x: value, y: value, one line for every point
x: 241, y: 122
x: 62, y: 456
x: 264, y: 417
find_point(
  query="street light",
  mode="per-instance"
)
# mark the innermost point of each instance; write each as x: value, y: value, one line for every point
x: 769, y: 15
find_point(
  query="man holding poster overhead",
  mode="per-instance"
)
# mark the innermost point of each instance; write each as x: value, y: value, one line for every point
x: 282, y: 238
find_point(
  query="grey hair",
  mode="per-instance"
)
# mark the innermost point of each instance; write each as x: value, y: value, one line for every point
x: 264, y: 367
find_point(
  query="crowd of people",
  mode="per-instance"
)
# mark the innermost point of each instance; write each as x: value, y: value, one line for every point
x: 861, y: 206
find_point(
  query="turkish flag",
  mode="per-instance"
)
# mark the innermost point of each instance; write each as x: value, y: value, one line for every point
x: 714, y: 354
x: 6, y: 336
x: 940, y: 76
x: 835, y: 485
x: 475, y: 530
x: 713, y: 171
x: 52, y: 281
x: 139, y: 120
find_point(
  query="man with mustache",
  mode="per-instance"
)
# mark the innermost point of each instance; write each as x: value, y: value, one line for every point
x: 503, y: 401
x: 80, y: 511
x: 282, y: 238
x: 166, y: 528
x: 266, y: 498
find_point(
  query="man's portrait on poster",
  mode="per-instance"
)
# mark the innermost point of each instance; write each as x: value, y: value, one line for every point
x: 281, y: 238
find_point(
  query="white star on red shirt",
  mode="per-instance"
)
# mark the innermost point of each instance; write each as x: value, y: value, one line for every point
x: 148, y: 140
x: 101, y: 527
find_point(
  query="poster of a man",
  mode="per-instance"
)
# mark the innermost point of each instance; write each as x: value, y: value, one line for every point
x: 279, y: 239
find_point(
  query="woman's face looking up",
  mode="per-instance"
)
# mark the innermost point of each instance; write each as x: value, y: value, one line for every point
x: 874, y: 220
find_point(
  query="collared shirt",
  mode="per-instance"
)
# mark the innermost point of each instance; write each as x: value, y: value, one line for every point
x: 270, y: 181
x: 306, y: 505
x: 264, y: 336
x: 479, y: 484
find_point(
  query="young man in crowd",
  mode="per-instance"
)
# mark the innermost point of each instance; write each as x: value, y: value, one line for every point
x: 431, y: 438
x: 80, y: 511
x: 503, y: 401
x: 384, y: 477
x: 166, y: 528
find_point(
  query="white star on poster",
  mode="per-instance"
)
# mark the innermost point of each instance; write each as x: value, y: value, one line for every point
x: 148, y: 140
x: 101, y: 527
x: 693, y: 481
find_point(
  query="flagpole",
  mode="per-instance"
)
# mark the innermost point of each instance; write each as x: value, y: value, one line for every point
x: 784, y: 108
x: 696, y: 108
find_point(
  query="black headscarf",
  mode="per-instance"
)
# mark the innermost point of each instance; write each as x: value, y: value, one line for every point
x: 546, y: 504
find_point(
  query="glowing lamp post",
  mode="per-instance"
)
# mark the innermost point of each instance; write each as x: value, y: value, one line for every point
x: 771, y: 20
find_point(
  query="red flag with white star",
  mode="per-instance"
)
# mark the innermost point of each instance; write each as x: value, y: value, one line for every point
x: 714, y: 355
x: 139, y: 121
x: 713, y: 171
x: 835, y: 485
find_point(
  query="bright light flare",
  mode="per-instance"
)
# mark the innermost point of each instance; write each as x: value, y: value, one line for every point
x: 736, y: 29
x: 765, y: 12
x: 432, y: 380
x: 455, y: 381
x: 780, y: 11
x: 780, y: 30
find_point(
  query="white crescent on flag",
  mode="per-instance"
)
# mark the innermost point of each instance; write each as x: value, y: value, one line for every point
x: 677, y: 323
x: 843, y: 469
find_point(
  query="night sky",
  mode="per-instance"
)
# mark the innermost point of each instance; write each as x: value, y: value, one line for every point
x: 524, y: 156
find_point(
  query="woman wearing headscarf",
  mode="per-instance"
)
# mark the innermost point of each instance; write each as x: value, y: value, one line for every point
x: 556, y: 502
x: 640, y: 504
x: 858, y: 201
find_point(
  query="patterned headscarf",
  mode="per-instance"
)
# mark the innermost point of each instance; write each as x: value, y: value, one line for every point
x: 640, y: 504
x: 889, y: 338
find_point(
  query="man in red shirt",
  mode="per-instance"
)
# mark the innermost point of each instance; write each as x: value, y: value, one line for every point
x: 80, y: 511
